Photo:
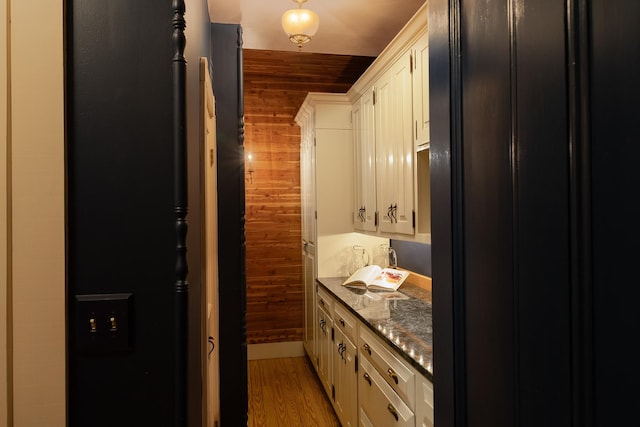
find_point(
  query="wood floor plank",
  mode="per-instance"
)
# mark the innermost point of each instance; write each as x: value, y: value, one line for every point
x: 285, y: 393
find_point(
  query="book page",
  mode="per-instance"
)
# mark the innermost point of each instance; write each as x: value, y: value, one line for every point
x: 363, y: 276
x: 389, y: 278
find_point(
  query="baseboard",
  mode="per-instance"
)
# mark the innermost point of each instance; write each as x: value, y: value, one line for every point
x: 275, y: 350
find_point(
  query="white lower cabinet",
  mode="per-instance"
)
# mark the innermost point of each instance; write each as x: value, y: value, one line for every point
x: 325, y: 343
x: 424, y: 405
x: 345, y: 379
x: 368, y: 383
x: 381, y: 405
x: 399, y: 376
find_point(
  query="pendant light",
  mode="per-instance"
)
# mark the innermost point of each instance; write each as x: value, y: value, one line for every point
x: 300, y: 24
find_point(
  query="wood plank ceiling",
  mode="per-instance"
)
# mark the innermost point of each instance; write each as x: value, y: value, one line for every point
x: 275, y: 85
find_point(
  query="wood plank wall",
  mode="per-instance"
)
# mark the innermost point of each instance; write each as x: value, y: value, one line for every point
x: 275, y: 85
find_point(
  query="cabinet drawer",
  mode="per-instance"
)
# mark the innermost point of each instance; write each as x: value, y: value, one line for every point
x: 345, y: 321
x: 379, y: 404
x: 399, y: 376
x: 325, y: 301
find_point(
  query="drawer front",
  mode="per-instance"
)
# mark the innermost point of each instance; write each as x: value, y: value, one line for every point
x: 346, y: 321
x: 399, y: 376
x: 379, y: 404
x: 325, y: 301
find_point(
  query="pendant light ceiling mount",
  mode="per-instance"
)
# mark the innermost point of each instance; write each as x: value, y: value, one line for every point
x: 300, y: 24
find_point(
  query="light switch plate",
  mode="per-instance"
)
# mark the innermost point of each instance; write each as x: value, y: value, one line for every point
x: 103, y: 323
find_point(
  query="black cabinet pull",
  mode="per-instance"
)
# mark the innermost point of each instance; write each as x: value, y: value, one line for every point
x: 393, y: 411
x: 366, y: 348
x: 392, y: 374
x: 367, y: 378
x: 213, y: 345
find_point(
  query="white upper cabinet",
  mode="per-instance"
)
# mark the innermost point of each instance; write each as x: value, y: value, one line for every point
x: 395, y: 149
x: 307, y: 180
x: 365, y: 163
x: 390, y: 105
x: 420, y: 54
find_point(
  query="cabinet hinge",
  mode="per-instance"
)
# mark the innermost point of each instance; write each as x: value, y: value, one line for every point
x: 332, y: 334
x: 356, y: 363
x: 411, y: 63
x: 315, y: 214
x: 333, y: 392
x: 375, y: 221
x: 374, y: 97
x: 413, y: 218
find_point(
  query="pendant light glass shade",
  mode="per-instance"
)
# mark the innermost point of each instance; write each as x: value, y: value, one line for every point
x: 300, y: 24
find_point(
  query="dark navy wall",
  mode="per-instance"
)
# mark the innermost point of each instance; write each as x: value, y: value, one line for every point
x: 121, y: 234
x: 533, y: 148
x: 226, y: 63
x: 120, y: 204
x: 413, y: 256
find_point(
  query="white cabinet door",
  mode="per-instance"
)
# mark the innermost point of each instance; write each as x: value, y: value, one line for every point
x: 395, y: 149
x: 324, y: 357
x: 421, y: 90
x: 424, y: 405
x: 308, y: 181
x: 310, y: 343
x: 365, y: 163
x: 345, y: 379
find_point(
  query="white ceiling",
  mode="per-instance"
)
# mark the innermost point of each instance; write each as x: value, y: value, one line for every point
x: 347, y: 27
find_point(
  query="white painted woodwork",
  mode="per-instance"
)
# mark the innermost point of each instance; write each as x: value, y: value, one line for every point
x: 324, y: 356
x: 33, y: 214
x: 4, y: 236
x: 365, y: 163
x: 420, y: 53
x: 424, y: 403
x: 345, y: 379
x: 395, y: 148
x: 400, y: 79
x: 378, y: 401
x: 210, y: 354
x: 325, y: 122
x: 399, y: 376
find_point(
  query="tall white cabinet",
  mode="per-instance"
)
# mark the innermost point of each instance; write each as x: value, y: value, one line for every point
x: 326, y: 181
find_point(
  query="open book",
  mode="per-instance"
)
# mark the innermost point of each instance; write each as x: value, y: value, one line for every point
x: 375, y: 277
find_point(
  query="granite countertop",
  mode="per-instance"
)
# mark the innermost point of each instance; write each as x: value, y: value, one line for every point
x: 404, y: 324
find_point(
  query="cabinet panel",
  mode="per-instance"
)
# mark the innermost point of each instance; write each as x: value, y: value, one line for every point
x: 421, y: 90
x: 380, y: 404
x: 345, y: 378
x: 334, y: 181
x: 395, y: 148
x: 324, y: 356
x: 308, y: 180
x: 310, y: 344
x: 365, y: 163
x: 424, y: 406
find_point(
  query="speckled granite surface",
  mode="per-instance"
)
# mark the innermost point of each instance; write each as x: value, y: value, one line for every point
x: 404, y: 324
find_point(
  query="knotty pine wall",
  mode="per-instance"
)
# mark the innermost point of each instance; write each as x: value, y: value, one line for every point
x: 275, y: 85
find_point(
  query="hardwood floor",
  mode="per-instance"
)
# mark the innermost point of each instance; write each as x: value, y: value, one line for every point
x: 286, y: 393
